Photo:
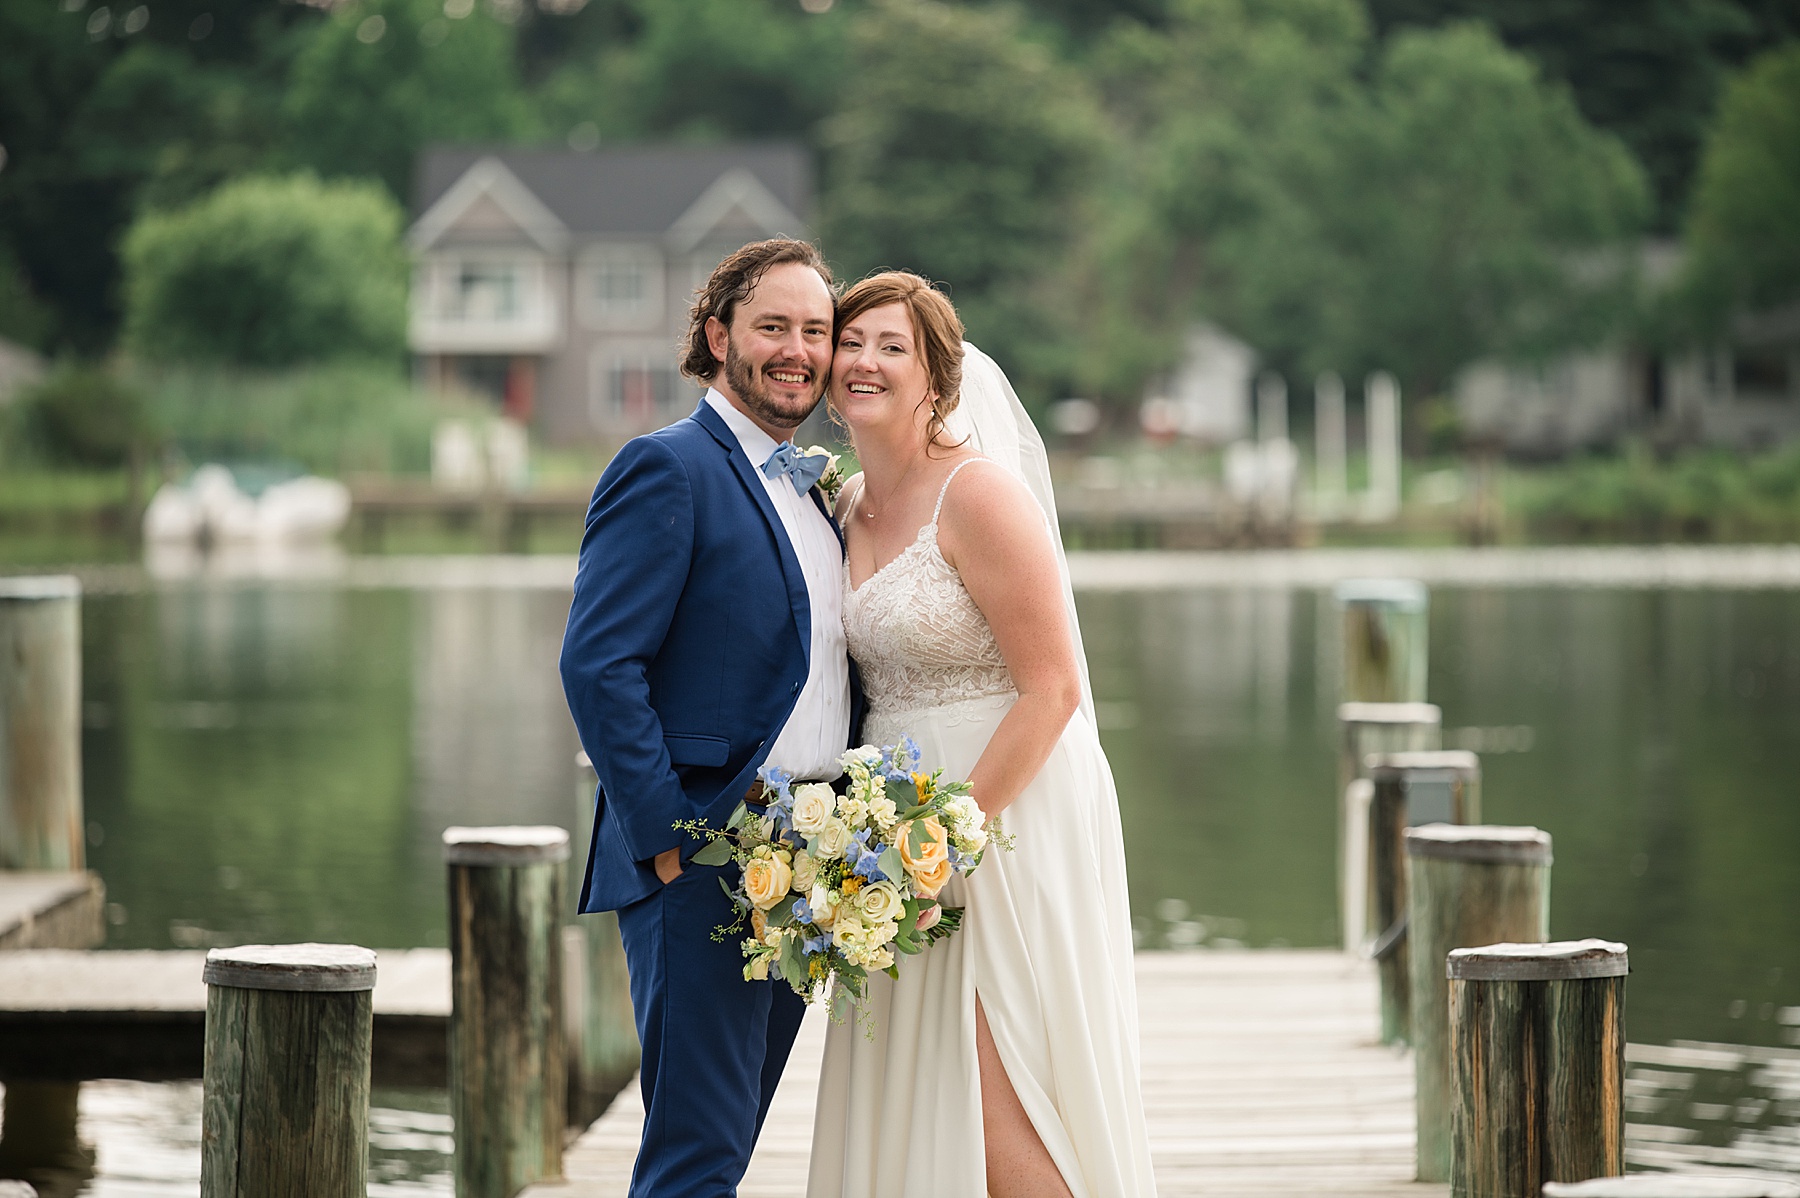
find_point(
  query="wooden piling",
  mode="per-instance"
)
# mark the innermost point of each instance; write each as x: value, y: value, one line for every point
x: 604, y: 1053
x: 1365, y: 729
x: 285, y: 1111
x: 1537, y: 1066
x: 1673, y: 1185
x: 1385, y: 639
x: 1468, y: 886
x: 41, y: 824
x: 508, y: 1080
x: 1409, y: 790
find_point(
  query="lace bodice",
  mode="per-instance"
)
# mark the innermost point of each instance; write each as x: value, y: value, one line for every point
x: 917, y: 637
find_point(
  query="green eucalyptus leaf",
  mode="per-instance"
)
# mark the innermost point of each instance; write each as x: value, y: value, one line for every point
x: 891, y: 865
x: 716, y: 853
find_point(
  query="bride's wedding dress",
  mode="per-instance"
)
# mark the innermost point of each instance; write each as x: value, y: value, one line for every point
x: 1045, y: 941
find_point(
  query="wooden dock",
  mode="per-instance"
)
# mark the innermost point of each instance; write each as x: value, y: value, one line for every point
x: 50, y: 909
x: 71, y: 1016
x: 1261, y: 1077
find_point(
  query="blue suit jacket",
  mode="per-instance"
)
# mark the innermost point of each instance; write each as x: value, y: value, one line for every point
x: 686, y: 648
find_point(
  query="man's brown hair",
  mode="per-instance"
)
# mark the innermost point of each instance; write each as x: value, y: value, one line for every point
x: 731, y: 283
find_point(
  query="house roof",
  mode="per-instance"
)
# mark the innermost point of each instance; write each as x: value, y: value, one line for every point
x: 627, y: 190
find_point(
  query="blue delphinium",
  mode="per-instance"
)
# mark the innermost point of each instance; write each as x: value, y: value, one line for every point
x: 802, y: 911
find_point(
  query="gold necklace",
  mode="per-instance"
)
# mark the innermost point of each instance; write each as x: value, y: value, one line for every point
x: 869, y: 512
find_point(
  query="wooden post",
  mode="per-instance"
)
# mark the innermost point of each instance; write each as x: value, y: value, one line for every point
x: 508, y: 1069
x: 1468, y: 886
x: 1672, y: 1185
x: 1678, y: 1186
x: 1385, y: 639
x: 606, y: 1053
x: 1537, y: 1066
x: 1408, y: 790
x: 41, y: 825
x: 285, y: 1110
x: 1364, y: 729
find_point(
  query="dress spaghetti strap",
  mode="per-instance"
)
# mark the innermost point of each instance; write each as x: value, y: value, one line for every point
x: 945, y: 489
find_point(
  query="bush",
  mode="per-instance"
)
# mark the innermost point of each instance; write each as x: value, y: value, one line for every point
x: 269, y: 272
x: 1703, y: 496
x: 334, y: 419
x: 80, y: 416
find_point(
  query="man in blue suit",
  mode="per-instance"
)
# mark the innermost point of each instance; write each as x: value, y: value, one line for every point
x: 706, y: 641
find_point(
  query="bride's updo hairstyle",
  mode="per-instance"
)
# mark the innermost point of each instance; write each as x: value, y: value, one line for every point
x: 937, y: 330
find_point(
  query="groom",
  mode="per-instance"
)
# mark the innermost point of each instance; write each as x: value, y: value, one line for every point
x: 705, y: 641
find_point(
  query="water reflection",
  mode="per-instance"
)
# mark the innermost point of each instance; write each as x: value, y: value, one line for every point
x: 276, y: 761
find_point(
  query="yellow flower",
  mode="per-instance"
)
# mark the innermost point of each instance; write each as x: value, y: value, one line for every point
x: 850, y: 885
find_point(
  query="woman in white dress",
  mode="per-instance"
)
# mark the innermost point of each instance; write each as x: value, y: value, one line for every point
x: 1004, y: 1060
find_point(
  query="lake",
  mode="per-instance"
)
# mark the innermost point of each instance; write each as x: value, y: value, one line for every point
x: 274, y: 761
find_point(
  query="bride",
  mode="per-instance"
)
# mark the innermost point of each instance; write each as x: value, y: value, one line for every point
x: 1005, y: 1058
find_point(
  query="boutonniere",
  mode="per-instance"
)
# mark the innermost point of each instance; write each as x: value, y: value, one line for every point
x: 832, y: 480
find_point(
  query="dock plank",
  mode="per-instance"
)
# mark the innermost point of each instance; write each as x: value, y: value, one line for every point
x: 50, y: 909
x: 72, y: 1016
x: 1261, y: 1077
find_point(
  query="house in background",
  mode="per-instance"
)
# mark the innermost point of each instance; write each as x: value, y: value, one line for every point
x: 557, y: 283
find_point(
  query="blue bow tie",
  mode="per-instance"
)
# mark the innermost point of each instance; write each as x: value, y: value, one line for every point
x: 802, y: 471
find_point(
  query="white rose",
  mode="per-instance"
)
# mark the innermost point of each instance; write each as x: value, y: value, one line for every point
x: 812, y: 807
x: 848, y: 931
x: 880, y: 903
x: 974, y: 839
x: 832, y: 840
x: 824, y: 906
x: 806, y: 871
x: 758, y: 968
x: 884, y: 813
x: 957, y: 809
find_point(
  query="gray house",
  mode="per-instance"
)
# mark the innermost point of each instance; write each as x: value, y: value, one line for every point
x: 557, y: 283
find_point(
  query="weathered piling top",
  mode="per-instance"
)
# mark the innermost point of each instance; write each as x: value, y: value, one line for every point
x: 1558, y: 961
x: 1451, y: 763
x: 518, y: 844
x: 1480, y: 842
x: 1403, y: 593
x: 1666, y: 1185
x: 35, y: 587
x: 1390, y: 713
x: 314, y: 968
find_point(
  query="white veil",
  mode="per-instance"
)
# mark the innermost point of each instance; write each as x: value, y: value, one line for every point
x: 993, y: 420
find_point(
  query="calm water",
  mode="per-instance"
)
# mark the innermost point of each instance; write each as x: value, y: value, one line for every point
x: 269, y: 762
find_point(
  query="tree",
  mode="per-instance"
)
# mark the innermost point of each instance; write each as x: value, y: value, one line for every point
x: 704, y: 69
x: 1649, y: 72
x: 269, y: 272
x: 960, y: 150
x: 380, y: 79
x: 1744, y: 232
x: 1436, y: 206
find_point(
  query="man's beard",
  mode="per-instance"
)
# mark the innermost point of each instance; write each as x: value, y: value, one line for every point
x: 747, y: 384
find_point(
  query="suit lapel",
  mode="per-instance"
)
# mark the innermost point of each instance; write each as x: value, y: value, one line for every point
x: 818, y: 498
x: 747, y: 475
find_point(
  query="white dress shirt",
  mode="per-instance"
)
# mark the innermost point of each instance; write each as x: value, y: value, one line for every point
x: 813, y: 738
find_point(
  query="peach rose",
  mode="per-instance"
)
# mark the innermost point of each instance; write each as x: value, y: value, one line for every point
x: 929, y: 917
x: 766, y: 881
x: 935, y: 849
x: 928, y: 880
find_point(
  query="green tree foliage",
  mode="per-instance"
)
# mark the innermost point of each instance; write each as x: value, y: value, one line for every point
x: 1649, y: 72
x: 269, y: 272
x: 1445, y: 206
x: 1744, y: 232
x: 702, y: 69
x: 83, y: 416
x: 961, y: 151
x: 99, y: 106
x: 382, y: 78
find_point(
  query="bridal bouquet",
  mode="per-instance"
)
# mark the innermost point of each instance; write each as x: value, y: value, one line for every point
x: 836, y: 885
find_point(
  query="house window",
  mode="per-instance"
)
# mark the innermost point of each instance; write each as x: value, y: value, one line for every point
x: 1760, y: 372
x: 622, y: 288
x: 636, y: 390
x: 487, y: 291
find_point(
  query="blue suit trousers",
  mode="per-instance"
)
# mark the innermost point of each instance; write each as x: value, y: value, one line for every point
x: 713, y: 1044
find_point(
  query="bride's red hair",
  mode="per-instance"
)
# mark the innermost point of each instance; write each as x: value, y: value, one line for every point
x: 936, y: 327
